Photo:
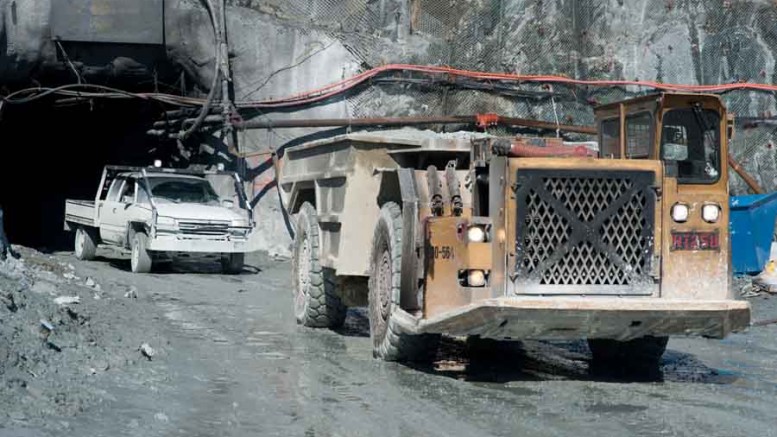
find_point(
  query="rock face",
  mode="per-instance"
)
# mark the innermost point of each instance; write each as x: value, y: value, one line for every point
x: 26, y: 43
x: 280, y: 47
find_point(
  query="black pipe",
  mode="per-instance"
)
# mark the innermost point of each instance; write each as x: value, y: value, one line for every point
x: 454, y: 189
x: 408, y: 121
x: 435, y: 191
x: 395, y: 121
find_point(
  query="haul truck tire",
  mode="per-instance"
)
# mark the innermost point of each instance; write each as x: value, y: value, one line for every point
x: 316, y: 303
x: 388, y: 342
x: 232, y: 263
x: 641, y: 355
x: 140, y: 262
x: 85, y: 246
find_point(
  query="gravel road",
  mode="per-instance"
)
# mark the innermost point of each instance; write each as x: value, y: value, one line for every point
x: 228, y: 359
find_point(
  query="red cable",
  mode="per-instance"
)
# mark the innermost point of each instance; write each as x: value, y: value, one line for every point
x: 325, y: 92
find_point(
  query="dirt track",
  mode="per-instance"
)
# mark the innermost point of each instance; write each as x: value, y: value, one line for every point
x: 229, y: 360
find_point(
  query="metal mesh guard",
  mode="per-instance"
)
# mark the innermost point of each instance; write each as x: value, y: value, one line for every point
x: 584, y: 232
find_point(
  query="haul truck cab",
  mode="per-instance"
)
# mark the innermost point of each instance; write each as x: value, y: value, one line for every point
x: 523, y: 238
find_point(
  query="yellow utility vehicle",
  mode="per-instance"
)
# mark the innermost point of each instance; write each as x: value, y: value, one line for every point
x: 623, y: 242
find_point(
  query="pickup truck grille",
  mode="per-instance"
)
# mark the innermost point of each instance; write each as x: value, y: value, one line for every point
x: 584, y: 232
x: 203, y: 228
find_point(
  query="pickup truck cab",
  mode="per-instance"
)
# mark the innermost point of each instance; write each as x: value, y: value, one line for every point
x: 160, y: 213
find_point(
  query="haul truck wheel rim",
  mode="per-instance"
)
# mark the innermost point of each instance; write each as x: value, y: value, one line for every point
x: 303, y: 277
x: 384, y: 287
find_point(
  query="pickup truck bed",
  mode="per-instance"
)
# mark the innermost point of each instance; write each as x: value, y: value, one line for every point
x: 81, y: 212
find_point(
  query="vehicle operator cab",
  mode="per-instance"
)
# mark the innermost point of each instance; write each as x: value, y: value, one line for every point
x: 690, y: 130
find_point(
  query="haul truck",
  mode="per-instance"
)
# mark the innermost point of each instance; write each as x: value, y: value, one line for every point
x: 522, y: 238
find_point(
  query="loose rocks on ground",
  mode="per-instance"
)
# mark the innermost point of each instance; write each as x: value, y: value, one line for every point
x: 54, y: 336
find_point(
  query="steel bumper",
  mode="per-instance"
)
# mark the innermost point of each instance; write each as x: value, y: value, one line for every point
x: 556, y: 318
x: 178, y: 243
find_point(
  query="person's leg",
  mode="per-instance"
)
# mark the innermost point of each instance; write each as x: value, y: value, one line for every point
x: 5, y: 246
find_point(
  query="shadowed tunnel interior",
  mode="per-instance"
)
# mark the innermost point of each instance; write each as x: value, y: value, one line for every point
x: 52, y: 153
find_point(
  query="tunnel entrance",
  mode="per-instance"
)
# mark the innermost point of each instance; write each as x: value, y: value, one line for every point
x: 53, y: 152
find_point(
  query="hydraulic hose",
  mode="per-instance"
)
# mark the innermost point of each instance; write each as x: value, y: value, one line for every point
x: 216, y: 73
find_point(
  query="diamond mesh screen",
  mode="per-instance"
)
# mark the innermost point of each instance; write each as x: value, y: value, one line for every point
x: 583, y: 232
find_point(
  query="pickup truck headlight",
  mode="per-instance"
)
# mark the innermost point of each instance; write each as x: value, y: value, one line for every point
x: 167, y: 222
x: 239, y: 232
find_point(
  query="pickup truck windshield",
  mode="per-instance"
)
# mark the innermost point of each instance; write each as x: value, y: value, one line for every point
x: 691, y: 141
x: 181, y: 190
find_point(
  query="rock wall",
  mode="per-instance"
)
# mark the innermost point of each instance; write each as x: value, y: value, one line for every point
x: 280, y: 47
x: 300, y: 45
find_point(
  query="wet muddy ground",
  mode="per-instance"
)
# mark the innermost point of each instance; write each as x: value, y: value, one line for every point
x: 230, y: 360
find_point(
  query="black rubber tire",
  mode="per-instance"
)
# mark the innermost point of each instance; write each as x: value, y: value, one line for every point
x: 85, y: 244
x: 638, y: 356
x: 232, y: 263
x: 388, y: 341
x: 316, y: 303
x: 488, y: 348
x: 140, y: 261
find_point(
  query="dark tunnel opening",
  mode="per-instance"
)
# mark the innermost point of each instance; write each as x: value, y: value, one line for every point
x: 53, y: 153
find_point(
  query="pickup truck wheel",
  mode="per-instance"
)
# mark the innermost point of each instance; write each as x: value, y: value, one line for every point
x: 85, y: 247
x: 141, y: 259
x: 388, y: 341
x: 232, y: 263
x: 635, y: 357
x: 316, y: 303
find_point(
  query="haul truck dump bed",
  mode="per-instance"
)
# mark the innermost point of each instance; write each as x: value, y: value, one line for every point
x: 623, y: 244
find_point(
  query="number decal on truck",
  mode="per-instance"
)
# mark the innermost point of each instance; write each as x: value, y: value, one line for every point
x: 443, y: 252
x: 695, y: 240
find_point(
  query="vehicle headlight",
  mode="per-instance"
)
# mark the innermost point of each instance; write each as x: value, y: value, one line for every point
x: 476, y: 234
x: 165, y: 221
x: 239, y: 232
x: 710, y: 212
x: 680, y: 212
x: 476, y: 278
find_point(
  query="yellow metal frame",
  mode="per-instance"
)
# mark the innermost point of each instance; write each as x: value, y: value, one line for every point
x: 683, y: 274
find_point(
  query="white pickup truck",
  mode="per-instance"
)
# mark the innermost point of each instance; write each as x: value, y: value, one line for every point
x: 161, y: 213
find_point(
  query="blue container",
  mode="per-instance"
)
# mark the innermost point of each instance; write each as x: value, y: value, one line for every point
x: 751, y: 223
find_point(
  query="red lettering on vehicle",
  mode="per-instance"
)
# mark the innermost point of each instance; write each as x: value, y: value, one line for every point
x: 704, y: 241
x: 695, y: 241
x: 677, y: 241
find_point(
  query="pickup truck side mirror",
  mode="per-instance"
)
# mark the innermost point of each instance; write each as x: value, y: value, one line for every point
x: 127, y: 199
x: 226, y: 203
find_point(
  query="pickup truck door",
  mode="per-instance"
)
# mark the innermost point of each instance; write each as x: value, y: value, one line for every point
x: 113, y: 225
